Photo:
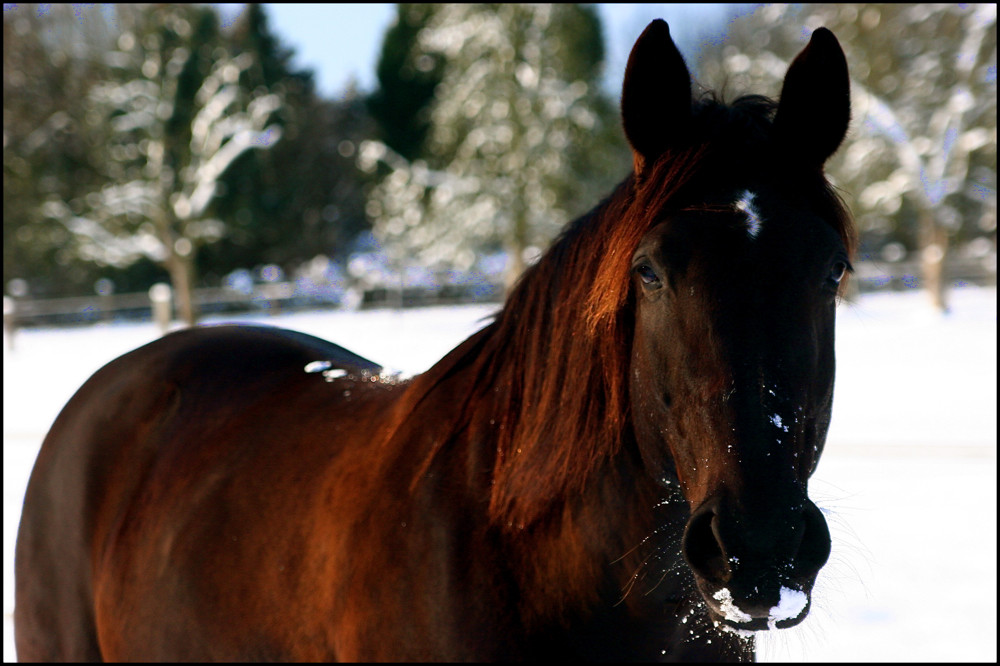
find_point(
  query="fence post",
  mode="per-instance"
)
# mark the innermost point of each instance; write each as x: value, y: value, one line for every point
x: 105, y: 290
x: 9, y: 320
x: 160, y: 295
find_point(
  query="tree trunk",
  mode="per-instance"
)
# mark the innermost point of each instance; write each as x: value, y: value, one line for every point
x: 933, y: 253
x: 179, y: 264
x: 181, y: 269
x: 516, y: 243
x: 515, y: 266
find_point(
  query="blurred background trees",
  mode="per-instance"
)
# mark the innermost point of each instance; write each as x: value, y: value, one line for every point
x: 168, y: 148
x: 50, y: 63
x: 171, y: 117
x: 303, y: 198
x: 407, y: 78
x: 518, y: 138
x: 919, y: 165
x: 147, y: 142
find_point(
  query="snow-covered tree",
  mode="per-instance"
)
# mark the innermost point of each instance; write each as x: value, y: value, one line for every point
x: 512, y: 106
x: 176, y: 118
x: 919, y: 165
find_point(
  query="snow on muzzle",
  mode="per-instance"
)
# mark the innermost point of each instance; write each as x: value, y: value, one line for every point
x: 755, y: 570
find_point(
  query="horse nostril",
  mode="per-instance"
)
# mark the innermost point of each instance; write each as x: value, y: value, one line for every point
x: 702, y: 547
x: 712, y: 557
x: 814, y: 549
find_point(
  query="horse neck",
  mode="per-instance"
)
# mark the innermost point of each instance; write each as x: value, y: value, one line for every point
x: 537, y: 379
x: 562, y: 552
x: 524, y: 412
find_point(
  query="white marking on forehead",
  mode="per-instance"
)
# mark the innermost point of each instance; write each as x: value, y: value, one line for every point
x: 745, y: 204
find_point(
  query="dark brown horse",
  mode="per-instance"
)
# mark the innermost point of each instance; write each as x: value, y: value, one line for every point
x: 615, y: 468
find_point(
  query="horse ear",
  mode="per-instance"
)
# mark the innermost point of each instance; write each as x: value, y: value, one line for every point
x: 656, y: 95
x: 815, y: 105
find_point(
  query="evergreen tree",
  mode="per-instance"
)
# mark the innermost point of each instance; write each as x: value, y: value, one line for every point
x: 303, y: 197
x: 408, y: 76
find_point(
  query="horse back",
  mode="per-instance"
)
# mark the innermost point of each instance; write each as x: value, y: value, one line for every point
x: 205, y: 427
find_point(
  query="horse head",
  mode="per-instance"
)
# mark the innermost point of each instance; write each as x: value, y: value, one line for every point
x: 734, y: 288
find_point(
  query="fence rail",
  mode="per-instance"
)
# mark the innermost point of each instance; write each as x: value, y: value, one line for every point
x: 270, y: 298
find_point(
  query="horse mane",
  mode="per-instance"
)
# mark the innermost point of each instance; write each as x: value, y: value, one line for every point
x: 550, y: 373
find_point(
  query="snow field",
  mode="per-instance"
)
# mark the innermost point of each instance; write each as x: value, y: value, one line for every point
x: 907, y: 482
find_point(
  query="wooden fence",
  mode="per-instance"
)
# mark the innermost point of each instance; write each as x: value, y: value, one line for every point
x: 270, y: 298
x: 287, y: 296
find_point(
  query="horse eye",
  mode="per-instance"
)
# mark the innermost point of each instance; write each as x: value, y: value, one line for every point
x: 647, y: 274
x: 837, y: 272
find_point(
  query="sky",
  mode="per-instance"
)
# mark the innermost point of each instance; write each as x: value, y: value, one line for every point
x: 342, y: 41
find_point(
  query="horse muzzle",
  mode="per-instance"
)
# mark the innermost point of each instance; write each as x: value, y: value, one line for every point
x: 756, y: 570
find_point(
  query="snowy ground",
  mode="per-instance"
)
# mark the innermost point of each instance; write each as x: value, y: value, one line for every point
x: 908, y: 480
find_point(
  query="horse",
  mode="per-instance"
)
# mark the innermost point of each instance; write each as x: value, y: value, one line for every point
x: 615, y: 467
